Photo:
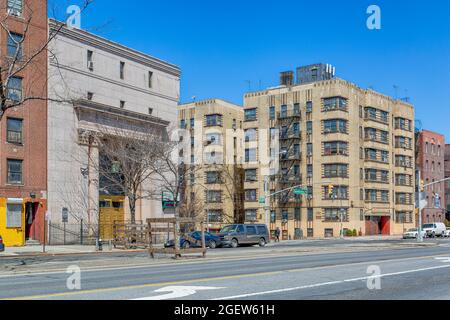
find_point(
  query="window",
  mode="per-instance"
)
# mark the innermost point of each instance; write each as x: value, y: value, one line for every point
x: 309, y: 106
x: 335, y: 148
x: 251, y: 215
x: 250, y: 155
x: 150, y: 79
x: 122, y: 70
x: 192, y: 123
x: 214, y: 216
x: 385, y: 196
x: 297, y: 214
x: 251, y: 230
x: 14, y: 89
x: 334, y: 103
x: 213, y: 196
x: 122, y: 104
x: 272, y: 113
x: 284, y: 111
x: 15, y: 171
x: 309, y: 149
x: 13, y: 215
x: 339, y: 193
x: 336, y: 214
x: 251, y: 195
x: 213, y: 177
x: 335, y: 171
x: 273, y: 217
x: 213, y: 139
x: 296, y: 109
x: 214, y: 120
x: 309, y: 127
x: 150, y: 111
x: 15, y: 7
x: 90, y: 96
x: 90, y: 60
x: 250, y: 114
x: 14, y: 130
x: 250, y: 175
x: 250, y: 135
x: 15, y: 45
x: 335, y: 126
x: 182, y: 124
x: 310, y: 215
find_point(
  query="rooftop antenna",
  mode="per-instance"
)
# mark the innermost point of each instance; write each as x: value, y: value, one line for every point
x: 406, y: 98
x: 249, y: 82
x: 396, y: 87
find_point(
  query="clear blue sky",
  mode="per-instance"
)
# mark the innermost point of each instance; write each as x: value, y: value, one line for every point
x: 221, y: 45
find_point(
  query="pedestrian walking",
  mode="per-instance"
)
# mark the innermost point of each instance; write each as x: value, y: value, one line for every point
x: 277, y: 235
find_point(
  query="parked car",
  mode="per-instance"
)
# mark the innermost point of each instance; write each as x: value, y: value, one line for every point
x: 2, y: 246
x: 447, y: 233
x: 413, y: 234
x: 433, y: 230
x: 244, y: 234
x: 194, y: 239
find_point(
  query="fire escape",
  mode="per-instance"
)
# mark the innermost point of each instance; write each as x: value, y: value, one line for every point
x: 288, y: 123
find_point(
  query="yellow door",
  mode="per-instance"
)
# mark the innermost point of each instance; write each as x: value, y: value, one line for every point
x: 12, y: 222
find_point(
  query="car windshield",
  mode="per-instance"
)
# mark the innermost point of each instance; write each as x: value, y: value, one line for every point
x: 428, y: 226
x: 227, y: 229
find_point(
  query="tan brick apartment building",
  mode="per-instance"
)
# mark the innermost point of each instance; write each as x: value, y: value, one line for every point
x: 23, y: 130
x: 213, y: 144
x: 430, y: 161
x: 351, y: 148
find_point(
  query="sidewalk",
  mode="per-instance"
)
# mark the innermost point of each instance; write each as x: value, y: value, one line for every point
x: 54, y: 250
x: 78, y: 249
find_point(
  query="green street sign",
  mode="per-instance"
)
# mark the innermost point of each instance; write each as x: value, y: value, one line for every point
x: 262, y: 200
x: 168, y: 201
x: 300, y: 191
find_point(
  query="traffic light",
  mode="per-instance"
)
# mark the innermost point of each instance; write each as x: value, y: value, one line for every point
x: 422, y: 186
x: 330, y: 191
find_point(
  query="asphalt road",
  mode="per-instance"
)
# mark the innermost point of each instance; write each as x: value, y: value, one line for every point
x: 409, y: 273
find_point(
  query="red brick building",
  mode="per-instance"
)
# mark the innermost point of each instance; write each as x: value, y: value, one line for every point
x: 447, y: 175
x: 23, y: 130
x: 430, y: 161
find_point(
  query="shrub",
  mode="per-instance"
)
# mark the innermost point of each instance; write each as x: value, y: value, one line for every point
x: 355, y: 233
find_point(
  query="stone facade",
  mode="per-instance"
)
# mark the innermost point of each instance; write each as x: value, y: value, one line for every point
x: 111, y: 85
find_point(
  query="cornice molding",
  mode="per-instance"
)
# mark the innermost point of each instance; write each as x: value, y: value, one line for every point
x: 114, y: 48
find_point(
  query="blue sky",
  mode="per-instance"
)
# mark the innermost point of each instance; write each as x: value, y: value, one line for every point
x: 222, y: 45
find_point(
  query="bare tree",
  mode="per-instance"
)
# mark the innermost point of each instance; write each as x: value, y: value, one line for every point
x: 24, y: 54
x: 231, y: 182
x: 126, y: 164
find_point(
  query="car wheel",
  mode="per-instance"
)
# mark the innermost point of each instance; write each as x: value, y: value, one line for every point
x: 212, y: 244
x: 262, y: 242
x: 433, y: 235
x: 234, y: 243
x: 186, y: 245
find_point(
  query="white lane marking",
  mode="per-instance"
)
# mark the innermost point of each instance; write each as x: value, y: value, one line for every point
x: 175, y: 292
x: 330, y: 283
x: 443, y: 259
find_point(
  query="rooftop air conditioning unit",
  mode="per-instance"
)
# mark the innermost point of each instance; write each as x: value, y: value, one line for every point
x: 14, y: 12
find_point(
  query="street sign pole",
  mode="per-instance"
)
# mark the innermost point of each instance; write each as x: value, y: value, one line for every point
x: 419, y: 236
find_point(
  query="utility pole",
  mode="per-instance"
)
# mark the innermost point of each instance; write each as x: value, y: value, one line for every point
x: 419, y: 235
